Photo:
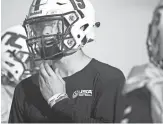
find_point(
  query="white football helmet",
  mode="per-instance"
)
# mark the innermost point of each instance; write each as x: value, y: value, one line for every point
x: 59, y: 27
x: 155, y: 37
x: 15, y: 62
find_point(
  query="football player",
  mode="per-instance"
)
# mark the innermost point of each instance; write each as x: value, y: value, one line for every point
x: 147, y: 80
x: 70, y: 86
x: 15, y: 65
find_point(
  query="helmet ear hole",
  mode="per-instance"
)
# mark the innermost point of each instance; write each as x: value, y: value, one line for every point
x: 84, y: 41
x: 9, y: 75
x: 78, y: 35
x: 84, y: 27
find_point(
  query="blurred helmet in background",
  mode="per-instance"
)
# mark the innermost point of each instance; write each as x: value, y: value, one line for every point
x: 15, y: 59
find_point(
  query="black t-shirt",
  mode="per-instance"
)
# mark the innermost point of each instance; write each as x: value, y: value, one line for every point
x: 94, y: 96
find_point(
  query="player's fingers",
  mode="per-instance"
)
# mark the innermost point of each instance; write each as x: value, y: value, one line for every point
x: 58, y: 75
x: 41, y: 81
x: 48, y: 69
x: 157, y: 81
x: 43, y: 72
x: 152, y: 73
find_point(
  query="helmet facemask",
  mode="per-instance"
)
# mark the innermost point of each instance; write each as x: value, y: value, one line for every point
x: 49, y: 36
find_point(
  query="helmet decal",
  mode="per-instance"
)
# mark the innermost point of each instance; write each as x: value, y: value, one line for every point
x: 79, y: 4
x: 12, y: 37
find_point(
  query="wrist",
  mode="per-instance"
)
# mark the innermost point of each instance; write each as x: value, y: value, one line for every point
x: 56, y: 98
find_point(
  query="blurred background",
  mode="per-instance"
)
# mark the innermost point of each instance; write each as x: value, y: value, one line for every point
x: 120, y: 40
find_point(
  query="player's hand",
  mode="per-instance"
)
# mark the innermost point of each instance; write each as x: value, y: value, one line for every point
x: 50, y: 82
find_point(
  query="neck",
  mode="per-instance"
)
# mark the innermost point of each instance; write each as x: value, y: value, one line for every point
x: 69, y: 65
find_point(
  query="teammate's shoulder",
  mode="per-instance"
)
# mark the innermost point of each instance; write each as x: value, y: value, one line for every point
x: 107, y: 70
x: 137, y: 70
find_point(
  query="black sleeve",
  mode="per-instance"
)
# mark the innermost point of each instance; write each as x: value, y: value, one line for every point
x: 139, y: 100
x: 16, y: 112
x: 107, y: 106
x: 119, y: 101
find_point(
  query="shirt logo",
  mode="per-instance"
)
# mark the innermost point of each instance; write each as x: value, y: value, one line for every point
x: 82, y: 93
